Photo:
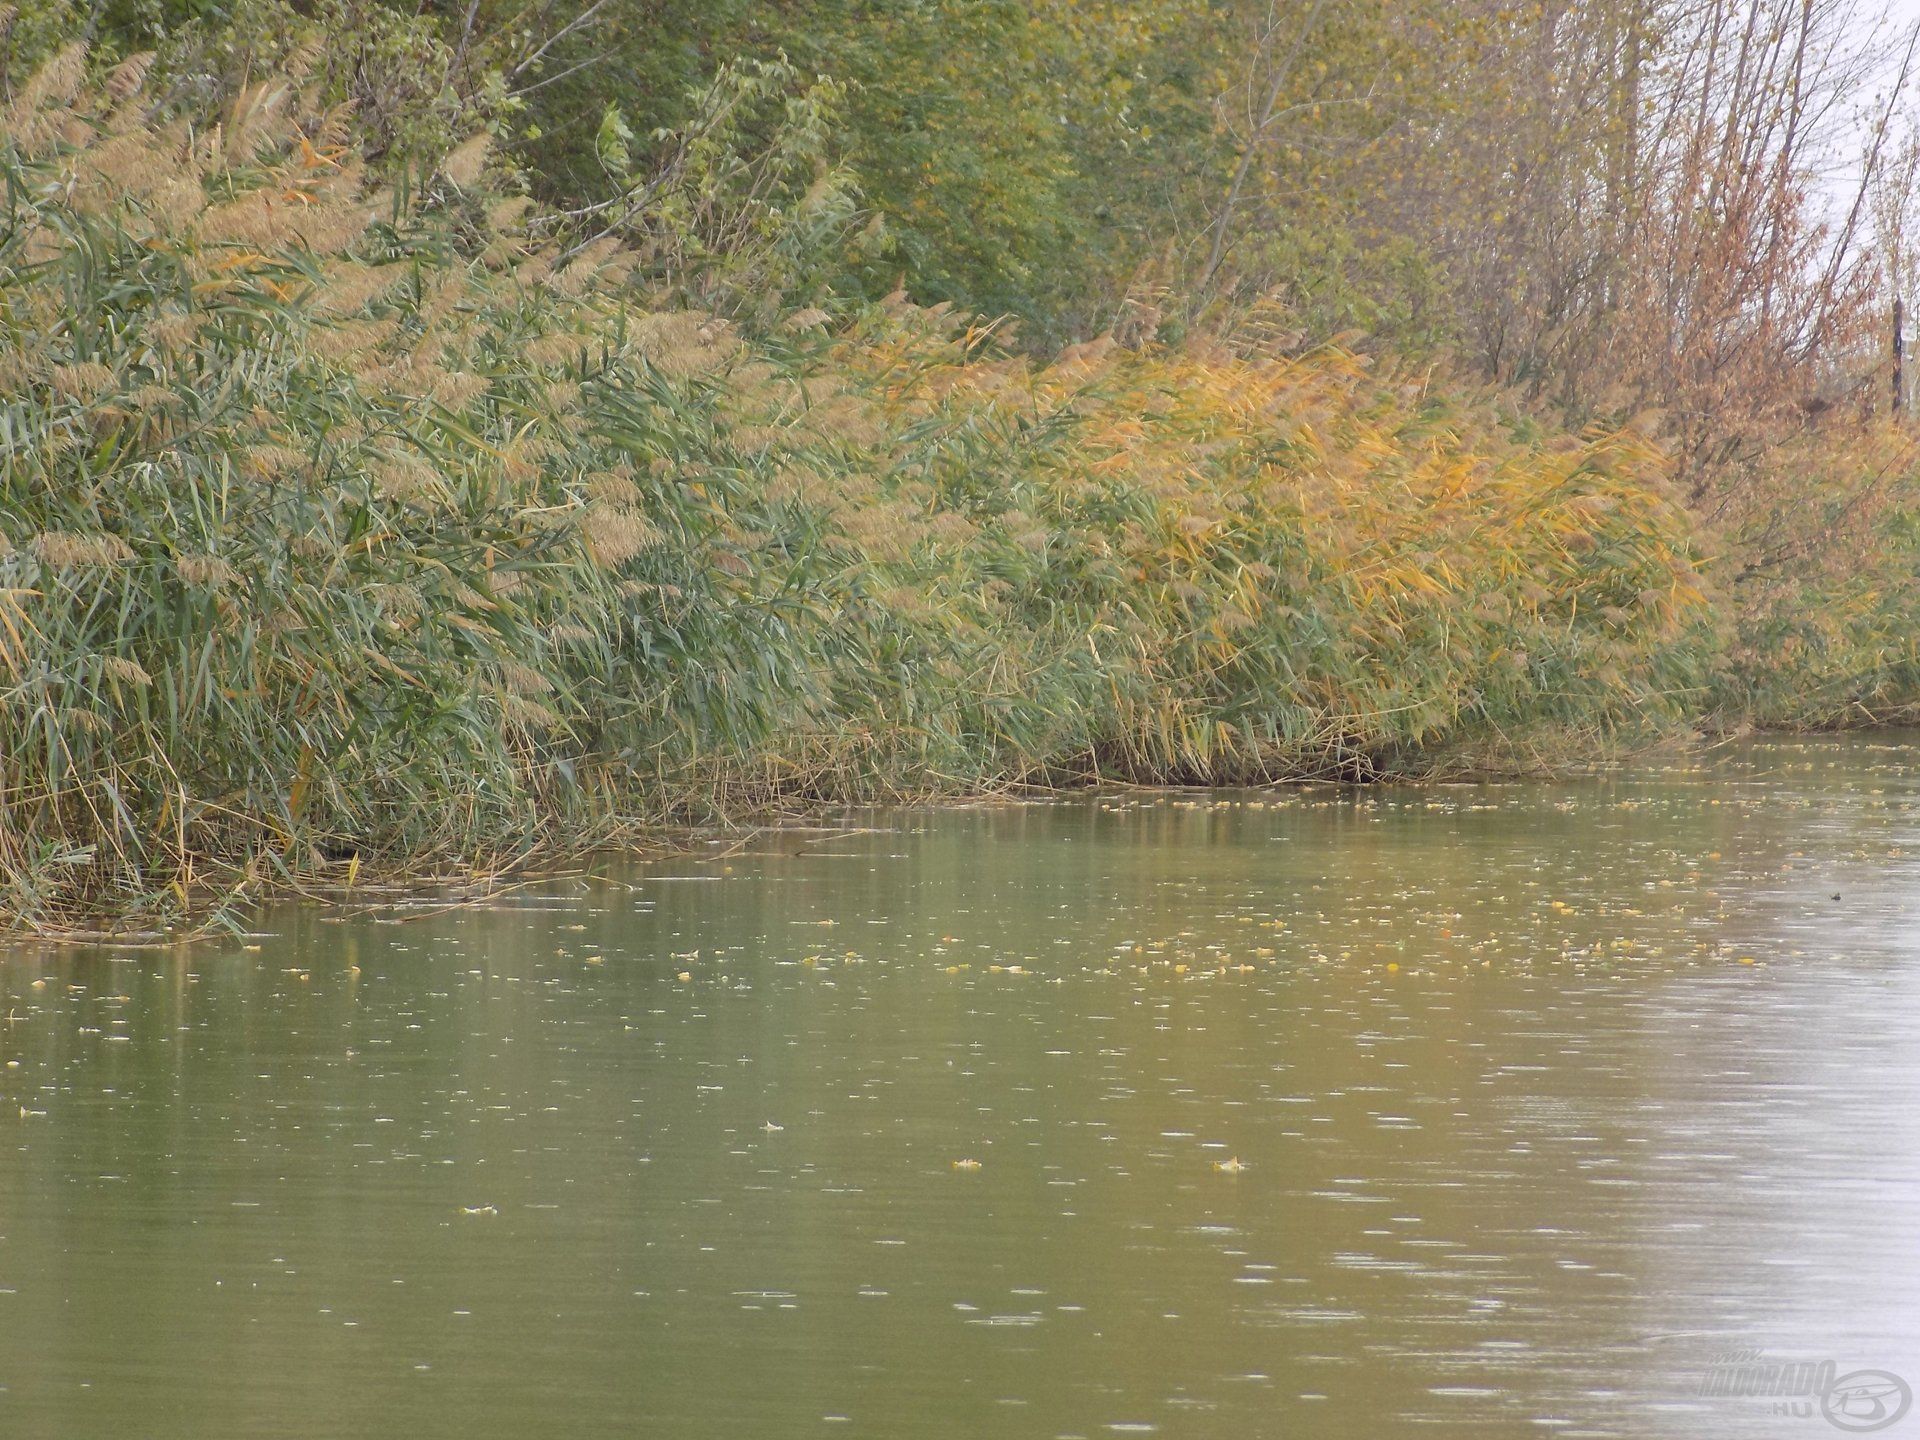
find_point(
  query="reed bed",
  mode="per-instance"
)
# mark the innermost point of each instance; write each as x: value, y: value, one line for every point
x: 347, y: 529
x: 1821, y: 542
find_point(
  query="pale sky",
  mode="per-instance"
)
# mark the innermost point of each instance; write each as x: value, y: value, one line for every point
x: 1843, y: 170
x: 1902, y: 14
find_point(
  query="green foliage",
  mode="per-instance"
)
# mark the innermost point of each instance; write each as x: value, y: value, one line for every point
x: 990, y: 136
x: 1044, y: 159
x: 749, y: 208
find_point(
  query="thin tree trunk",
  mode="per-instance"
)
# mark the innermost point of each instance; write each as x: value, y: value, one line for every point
x: 1218, y: 250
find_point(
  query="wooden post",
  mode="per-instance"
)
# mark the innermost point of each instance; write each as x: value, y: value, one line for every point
x: 1899, y: 356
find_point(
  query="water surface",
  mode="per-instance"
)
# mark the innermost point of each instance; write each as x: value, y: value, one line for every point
x: 1469, y: 1110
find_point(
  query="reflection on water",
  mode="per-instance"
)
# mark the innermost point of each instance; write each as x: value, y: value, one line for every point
x: 1546, y: 1101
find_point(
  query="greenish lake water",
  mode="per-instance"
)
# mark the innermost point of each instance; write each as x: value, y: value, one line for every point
x: 677, y: 1150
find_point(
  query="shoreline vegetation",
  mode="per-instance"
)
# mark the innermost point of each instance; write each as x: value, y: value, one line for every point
x: 361, y: 519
